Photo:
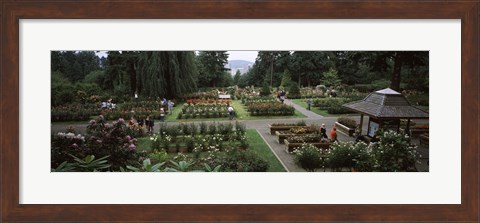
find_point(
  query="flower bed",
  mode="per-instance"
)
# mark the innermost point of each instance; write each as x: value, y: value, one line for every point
x: 324, y: 146
x: 79, y: 112
x: 267, y: 106
x: 199, y: 137
x: 74, y: 112
x: 204, y: 108
x: 284, y: 126
x: 271, y: 110
x: 282, y: 135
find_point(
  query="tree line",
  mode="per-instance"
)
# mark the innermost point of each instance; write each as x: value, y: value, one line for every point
x: 174, y: 73
x: 396, y: 69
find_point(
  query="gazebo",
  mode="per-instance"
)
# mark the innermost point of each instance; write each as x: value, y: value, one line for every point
x: 385, y: 108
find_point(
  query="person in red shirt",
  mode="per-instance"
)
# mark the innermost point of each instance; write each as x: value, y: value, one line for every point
x: 333, y: 135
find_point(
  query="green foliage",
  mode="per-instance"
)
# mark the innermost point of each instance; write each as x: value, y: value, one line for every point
x: 89, y: 163
x: 341, y: 155
x: 159, y: 156
x: 393, y: 153
x: 308, y: 157
x: 211, y: 67
x: 210, y: 169
x: 244, y: 161
x: 346, y: 121
x: 293, y: 91
x: 181, y: 166
x: 147, y: 166
x: 265, y: 91
x: 362, y: 158
x: 95, y: 77
x: 236, y: 78
x: 330, y: 78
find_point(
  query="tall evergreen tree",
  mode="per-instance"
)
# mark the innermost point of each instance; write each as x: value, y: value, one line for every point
x: 166, y: 73
x: 212, y: 67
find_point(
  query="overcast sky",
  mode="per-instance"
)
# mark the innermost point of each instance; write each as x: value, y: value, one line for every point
x: 233, y: 55
x: 243, y: 55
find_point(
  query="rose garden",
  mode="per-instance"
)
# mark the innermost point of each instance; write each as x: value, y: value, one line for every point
x: 271, y: 129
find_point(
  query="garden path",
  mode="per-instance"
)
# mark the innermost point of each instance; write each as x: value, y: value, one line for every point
x: 303, y: 110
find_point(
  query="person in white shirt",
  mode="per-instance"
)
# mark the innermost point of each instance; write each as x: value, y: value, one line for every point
x: 231, y: 112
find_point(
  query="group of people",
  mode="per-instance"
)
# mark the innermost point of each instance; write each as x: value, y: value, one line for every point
x: 105, y: 105
x: 333, y: 133
x: 148, y: 123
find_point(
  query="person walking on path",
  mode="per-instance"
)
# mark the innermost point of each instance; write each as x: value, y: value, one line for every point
x: 170, y: 106
x: 231, y: 112
x: 149, y: 123
x: 323, y: 132
x: 309, y: 104
x: 162, y: 115
x: 333, y: 135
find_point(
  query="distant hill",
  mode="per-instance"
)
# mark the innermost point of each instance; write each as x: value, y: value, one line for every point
x: 241, y: 65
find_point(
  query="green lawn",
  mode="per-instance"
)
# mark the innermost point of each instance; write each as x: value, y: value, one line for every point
x: 240, y: 110
x: 256, y: 144
x: 243, y: 114
x: 303, y: 103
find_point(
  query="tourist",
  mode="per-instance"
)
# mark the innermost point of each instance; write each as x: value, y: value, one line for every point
x: 282, y: 96
x: 323, y: 132
x: 149, y: 123
x: 170, y: 106
x: 140, y: 123
x: 162, y: 115
x: 131, y: 122
x: 333, y: 135
x: 231, y: 112
x: 309, y: 103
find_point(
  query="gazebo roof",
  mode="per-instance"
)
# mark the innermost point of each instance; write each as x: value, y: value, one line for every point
x: 386, y: 103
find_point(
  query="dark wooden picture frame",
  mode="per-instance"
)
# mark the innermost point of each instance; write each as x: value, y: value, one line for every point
x: 12, y: 11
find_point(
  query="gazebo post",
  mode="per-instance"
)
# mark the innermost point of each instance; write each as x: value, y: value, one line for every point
x: 407, y: 129
x: 361, y: 123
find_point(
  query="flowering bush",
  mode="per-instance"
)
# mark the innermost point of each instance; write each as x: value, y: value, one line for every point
x: 308, y: 157
x: 305, y: 130
x: 242, y: 161
x: 201, y: 136
x: 393, y: 152
x: 299, y: 123
x: 313, y: 138
x: 341, y: 155
x: 73, y: 112
x: 269, y: 109
x: 102, y: 140
x: 64, y: 144
x: 199, y: 108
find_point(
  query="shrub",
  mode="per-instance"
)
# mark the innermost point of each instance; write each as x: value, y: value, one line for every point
x: 341, y: 155
x: 338, y: 110
x: 393, y: 153
x: 308, y: 157
x: 346, y: 121
x: 244, y: 161
x: 362, y: 158
x: 102, y: 140
x: 265, y: 90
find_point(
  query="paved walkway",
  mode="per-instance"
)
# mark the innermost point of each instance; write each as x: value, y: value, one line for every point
x: 303, y: 110
x: 272, y: 140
